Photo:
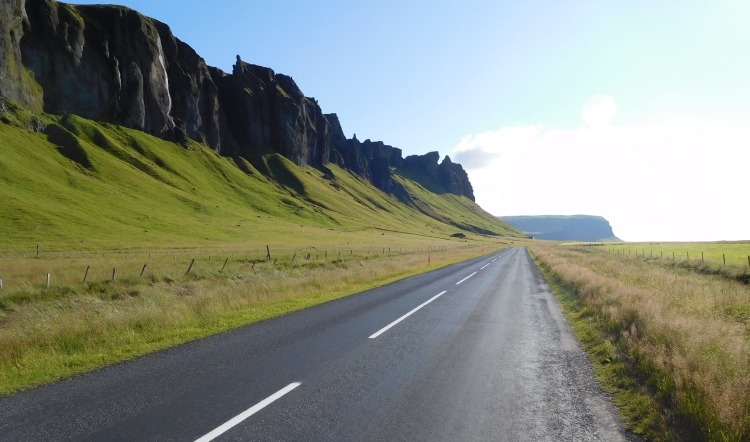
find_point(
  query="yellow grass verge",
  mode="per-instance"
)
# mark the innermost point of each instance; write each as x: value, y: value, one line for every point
x: 50, y: 334
x: 683, y: 335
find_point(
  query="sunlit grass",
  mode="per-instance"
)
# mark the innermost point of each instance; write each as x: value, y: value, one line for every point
x: 735, y: 252
x: 72, y: 327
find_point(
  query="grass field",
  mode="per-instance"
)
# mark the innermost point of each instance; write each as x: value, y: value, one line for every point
x: 49, y: 334
x: 111, y: 200
x: 736, y: 252
x: 670, y: 342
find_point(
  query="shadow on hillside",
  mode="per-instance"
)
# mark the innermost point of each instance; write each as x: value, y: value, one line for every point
x: 68, y: 145
x: 272, y: 164
x: 422, y: 179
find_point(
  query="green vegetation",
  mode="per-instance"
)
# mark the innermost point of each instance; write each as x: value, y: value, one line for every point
x: 74, y: 327
x: 101, y: 197
x: 675, y: 342
x: 90, y: 185
x: 736, y: 252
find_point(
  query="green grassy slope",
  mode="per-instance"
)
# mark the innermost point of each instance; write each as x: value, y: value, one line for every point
x: 88, y: 185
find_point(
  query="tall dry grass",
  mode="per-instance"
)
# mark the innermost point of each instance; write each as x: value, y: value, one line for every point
x: 48, y: 334
x: 686, y: 334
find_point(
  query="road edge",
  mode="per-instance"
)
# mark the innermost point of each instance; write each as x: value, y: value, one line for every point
x: 638, y: 411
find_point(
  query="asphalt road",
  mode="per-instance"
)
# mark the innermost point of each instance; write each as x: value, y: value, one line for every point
x: 490, y: 358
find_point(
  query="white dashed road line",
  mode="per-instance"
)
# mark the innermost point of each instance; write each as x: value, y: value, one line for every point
x: 247, y: 413
x: 384, y: 329
x: 459, y: 282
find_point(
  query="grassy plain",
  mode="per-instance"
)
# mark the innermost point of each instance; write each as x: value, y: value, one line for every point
x: 736, y: 252
x: 671, y: 343
x: 98, y: 196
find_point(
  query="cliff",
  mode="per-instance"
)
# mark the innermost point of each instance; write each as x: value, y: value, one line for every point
x: 112, y: 64
x: 564, y: 228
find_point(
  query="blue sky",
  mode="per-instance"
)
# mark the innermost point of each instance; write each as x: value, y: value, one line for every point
x: 434, y: 75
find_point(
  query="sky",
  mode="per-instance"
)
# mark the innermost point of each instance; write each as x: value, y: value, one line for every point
x: 638, y: 111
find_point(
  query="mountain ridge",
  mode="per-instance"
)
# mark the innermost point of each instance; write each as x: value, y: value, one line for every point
x: 564, y: 227
x: 112, y: 64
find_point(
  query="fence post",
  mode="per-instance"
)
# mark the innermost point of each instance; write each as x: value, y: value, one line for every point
x: 268, y: 251
x: 114, y: 273
x: 1, y: 283
x: 85, y: 275
x: 191, y: 266
x: 225, y: 264
x: 295, y: 255
x: 724, y: 256
x: 143, y: 270
x: 47, y: 280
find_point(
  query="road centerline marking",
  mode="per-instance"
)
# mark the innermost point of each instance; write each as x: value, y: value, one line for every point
x: 485, y: 266
x: 384, y: 329
x: 247, y: 413
x: 459, y: 282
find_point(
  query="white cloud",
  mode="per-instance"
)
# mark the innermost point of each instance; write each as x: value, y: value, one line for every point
x: 599, y: 110
x: 672, y: 179
x: 476, y: 152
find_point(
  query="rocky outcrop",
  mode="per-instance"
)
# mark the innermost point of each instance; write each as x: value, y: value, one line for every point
x: 112, y: 64
x: 104, y: 63
x: 194, y: 95
x: 265, y: 109
x: 426, y: 164
x: 447, y: 175
x: 454, y: 178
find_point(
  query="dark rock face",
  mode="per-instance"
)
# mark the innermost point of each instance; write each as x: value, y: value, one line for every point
x: 448, y: 175
x: 103, y: 63
x: 110, y: 63
x: 15, y: 82
x: 564, y: 228
x: 426, y: 164
x: 454, y: 178
x: 195, y: 97
x: 268, y: 109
